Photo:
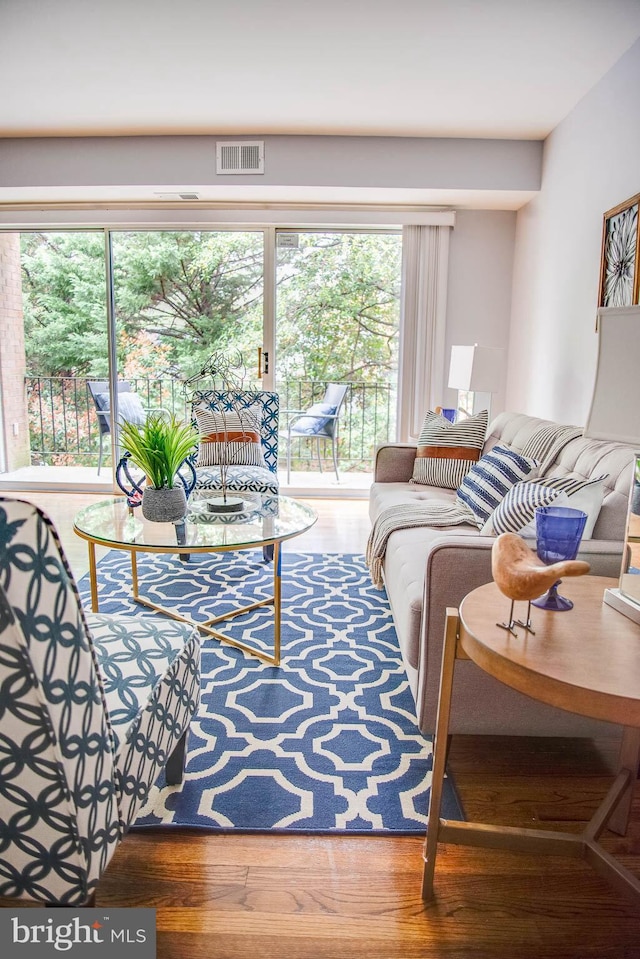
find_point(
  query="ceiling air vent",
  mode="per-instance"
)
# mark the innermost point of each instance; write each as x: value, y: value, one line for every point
x: 241, y: 156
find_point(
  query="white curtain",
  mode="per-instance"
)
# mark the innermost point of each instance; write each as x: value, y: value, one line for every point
x: 425, y: 258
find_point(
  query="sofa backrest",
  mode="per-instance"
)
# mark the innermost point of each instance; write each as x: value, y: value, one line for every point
x: 581, y: 458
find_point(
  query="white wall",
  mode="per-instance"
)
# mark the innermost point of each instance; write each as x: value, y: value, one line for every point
x: 356, y: 162
x: 591, y: 162
x: 480, y: 279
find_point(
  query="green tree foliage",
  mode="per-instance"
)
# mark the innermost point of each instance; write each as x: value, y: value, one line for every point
x: 194, y: 292
x: 338, y: 305
x: 64, y: 302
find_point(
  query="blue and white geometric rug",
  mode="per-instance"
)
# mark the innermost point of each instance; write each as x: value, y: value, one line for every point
x: 326, y: 742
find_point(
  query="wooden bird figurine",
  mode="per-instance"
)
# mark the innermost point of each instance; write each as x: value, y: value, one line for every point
x: 519, y: 574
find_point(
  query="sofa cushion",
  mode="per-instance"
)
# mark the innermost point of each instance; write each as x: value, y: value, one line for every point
x: 447, y: 451
x: 384, y: 495
x: 487, y: 483
x: 405, y: 565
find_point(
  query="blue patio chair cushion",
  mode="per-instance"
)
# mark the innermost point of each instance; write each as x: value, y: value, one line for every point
x: 310, y: 424
x: 130, y: 407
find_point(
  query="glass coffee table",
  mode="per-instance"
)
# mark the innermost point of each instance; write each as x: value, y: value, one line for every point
x: 267, y: 520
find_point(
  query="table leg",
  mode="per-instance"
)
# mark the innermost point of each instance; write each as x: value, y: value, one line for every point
x: 277, y: 602
x: 628, y: 759
x: 134, y: 575
x: 93, y: 577
x: 440, y: 748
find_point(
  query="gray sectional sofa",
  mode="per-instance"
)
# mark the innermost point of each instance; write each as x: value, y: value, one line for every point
x: 426, y: 570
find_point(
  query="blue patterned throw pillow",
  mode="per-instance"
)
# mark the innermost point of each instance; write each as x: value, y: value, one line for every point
x: 490, y: 479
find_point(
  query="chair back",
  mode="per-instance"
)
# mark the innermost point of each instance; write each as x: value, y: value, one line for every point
x: 58, y: 806
x: 334, y: 396
x: 242, y: 399
x: 99, y: 390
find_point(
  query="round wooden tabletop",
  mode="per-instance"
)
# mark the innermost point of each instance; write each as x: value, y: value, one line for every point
x: 586, y: 660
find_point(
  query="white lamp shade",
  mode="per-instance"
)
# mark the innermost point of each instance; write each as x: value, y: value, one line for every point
x: 615, y: 405
x: 477, y: 369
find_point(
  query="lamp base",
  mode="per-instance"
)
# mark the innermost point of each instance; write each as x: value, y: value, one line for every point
x: 614, y: 598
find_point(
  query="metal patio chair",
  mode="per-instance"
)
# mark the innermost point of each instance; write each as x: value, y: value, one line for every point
x: 319, y: 422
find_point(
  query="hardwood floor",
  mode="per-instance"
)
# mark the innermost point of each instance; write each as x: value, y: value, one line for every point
x: 310, y: 897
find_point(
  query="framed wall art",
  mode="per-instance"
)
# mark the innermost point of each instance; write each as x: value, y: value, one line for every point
x: 619, y: 263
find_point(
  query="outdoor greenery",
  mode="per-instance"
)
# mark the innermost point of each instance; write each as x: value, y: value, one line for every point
x: 181, y: 296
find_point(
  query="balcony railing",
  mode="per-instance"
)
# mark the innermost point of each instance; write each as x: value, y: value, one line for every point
x: 64, y: 427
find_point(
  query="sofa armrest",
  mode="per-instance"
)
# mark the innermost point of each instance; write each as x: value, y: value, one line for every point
x: 393, y: 462
x: 456, y: 566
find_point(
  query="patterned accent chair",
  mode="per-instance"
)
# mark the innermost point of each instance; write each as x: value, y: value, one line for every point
x: 243, y: 478
x: 92, y: 708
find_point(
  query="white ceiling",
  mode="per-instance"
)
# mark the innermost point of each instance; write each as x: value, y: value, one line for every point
x: 479, y: 68
x: 455, y: 68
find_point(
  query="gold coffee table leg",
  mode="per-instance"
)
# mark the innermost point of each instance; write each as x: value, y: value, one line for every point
x: 93, y: 577
x: 206, y: 626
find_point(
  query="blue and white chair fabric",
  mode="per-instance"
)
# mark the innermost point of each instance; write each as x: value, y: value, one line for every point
x: 242, y: 477
x: 92, y: 708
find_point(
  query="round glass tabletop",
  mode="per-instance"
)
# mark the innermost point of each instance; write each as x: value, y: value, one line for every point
x: 264, y: 519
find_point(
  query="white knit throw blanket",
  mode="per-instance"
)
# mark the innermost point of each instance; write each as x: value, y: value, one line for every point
x: 406, y: 516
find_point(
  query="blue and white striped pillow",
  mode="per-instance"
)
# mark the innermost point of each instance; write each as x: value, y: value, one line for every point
x: 490, y: 479
x: 517, y: 511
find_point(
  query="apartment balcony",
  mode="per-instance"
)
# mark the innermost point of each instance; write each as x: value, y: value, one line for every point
x: 65, y: 435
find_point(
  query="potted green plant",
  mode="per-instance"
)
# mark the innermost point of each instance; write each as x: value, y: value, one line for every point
x: 158, y: 447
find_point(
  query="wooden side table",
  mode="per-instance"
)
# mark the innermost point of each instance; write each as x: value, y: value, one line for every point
x: 586, y: 661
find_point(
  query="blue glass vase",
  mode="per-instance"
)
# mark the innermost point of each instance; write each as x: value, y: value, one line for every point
x: 559, y: 531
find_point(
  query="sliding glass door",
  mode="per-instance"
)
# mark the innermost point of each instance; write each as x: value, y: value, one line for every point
x: 338, y: 321
x: 150, y: 308
x: 65, y: 346
x: 180, y: 298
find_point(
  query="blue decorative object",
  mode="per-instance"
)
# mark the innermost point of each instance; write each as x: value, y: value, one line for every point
x: 133, y: 489
x: 327, y: 743
x: 558, y: 534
